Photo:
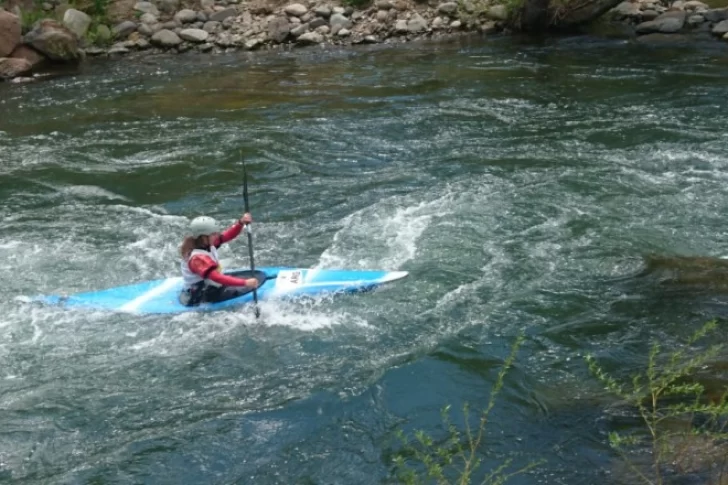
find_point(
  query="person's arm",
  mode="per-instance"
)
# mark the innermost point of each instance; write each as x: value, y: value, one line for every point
x: 206, y: 268
x: 233, y: 231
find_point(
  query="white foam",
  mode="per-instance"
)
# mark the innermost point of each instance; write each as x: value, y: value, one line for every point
x: 383, y: 236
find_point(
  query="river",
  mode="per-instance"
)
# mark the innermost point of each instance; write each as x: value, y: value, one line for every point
x: 521, y: 183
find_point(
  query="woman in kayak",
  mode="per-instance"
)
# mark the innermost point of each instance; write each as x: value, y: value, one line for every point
x: 203, y: 280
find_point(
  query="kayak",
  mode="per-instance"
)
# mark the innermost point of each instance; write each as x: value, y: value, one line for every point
x: 162, y: 296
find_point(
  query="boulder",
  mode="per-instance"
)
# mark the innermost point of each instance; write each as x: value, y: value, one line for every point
x: 497, y: 12
x: 339, y: 21
x: 278, y: 29
x: 223, y: 14
x: 667, y: 23
x: 197, y: 36
x: 416, y: 23
x: 77, y: 21
x: 185, y: 16
x: 146, y: 7
x: 167, y: 6
x: 448, y: 8
x: 310, y: 38
x: 29, y: 54
x: 166, y: 38
x: 54, y: 40
x: 10, y: 34
x: 721, y: 28
x: 12, y: 67
x: 123, y: 29
x: 295, y: 10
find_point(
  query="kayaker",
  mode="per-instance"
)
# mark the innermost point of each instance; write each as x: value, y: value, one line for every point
x: 204, y: 281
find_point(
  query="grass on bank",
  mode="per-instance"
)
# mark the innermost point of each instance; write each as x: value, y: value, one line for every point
x: 685, y: 428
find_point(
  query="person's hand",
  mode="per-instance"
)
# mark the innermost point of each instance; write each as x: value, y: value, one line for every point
x: 251, y: 283
x: 246, y: 219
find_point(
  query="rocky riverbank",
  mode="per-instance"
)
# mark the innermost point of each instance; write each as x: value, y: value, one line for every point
x: 222, y: 25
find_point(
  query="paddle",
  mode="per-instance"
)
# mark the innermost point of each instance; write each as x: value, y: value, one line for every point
x: 250, y: 234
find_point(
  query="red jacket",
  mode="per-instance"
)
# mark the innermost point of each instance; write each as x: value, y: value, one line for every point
x: 207, y: 268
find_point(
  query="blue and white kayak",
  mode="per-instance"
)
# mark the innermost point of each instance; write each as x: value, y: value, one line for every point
x: 162, y: 296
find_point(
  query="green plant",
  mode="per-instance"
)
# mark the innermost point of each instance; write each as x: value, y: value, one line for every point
x: 28, y: 18
x: 674, y: 409
x: 457, y: 458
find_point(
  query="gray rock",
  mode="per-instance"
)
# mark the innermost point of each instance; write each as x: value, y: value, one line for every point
x: 497, y: 12
x: 227, y: 39
x: 323, y: 11
x: 167, y: 6
x: 201, y: 17
x: 384, y: 4
x: 721, y: 28
x: 716, y: 15
x: 382, y: 15
x: 185, y: 16
x: 666, y: 23
x: 77, y: 21
x: 95, y: 51
x: 252, y: 44
x: 299, y: 29
x: 166, y: 38
x: 211, y: 27
x: 456, y: 24
x: 207, y: 4
x: 437, y: 23
x: 371, y: 39
x: 340, y: 10
x: 194, y: 35
x: 343, y: 33
x: 122, y: 30
x: 316, y: 23
x: 416, y: 24
x: 169, y: 25
x: 118, y: 49
x: 295, y: 10
x: 228, y: 22
x: 206, y: 47
x: 148, y: 19
x: 401, y: 26
x: 695, y: 20
x: 146, y: 30
x: 649, y: 15
x: 223, y: 14
x: 339, y: 21
x: 146, y: 7
x: 627, y: 9
x: 695, y: 5
x: 448, y: 8
x: 278, y: 29
x: 310, y: 38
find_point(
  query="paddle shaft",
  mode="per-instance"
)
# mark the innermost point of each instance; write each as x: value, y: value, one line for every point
x: 250, y: 237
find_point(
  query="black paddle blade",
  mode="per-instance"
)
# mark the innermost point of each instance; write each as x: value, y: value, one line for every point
x: 245, y: 188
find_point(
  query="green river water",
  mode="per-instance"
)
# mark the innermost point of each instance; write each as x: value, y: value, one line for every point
x: 521, y: 183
